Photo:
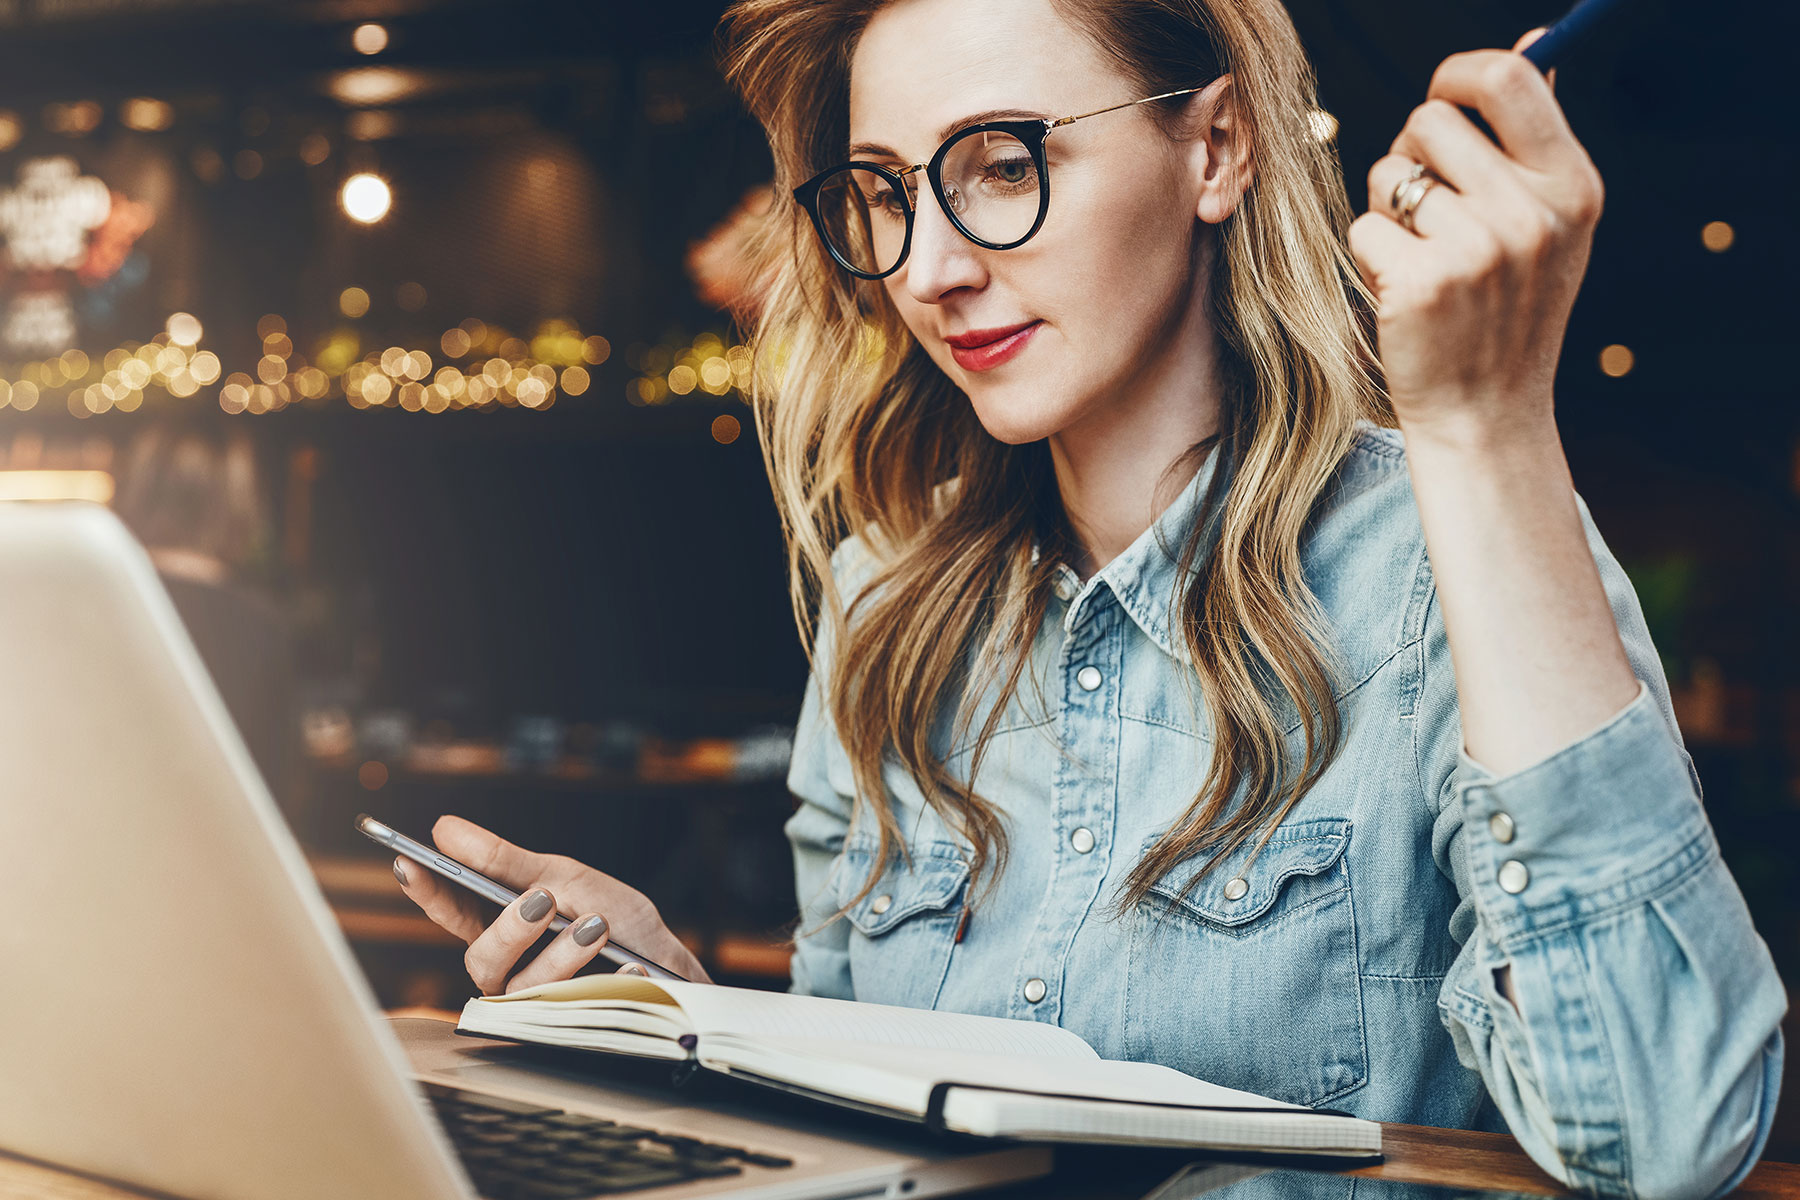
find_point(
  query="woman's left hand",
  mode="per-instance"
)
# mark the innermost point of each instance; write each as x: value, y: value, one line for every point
x: 1473, y: 306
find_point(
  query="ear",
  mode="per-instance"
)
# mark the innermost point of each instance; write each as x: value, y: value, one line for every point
x: 1221, y: 161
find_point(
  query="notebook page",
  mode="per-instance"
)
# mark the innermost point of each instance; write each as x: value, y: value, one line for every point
x: 1038, y: 1118
x: 711, y: 1009
x: 755, y: 1014
x: 895, y: 1072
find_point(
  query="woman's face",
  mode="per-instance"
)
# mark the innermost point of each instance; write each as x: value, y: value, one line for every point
x: 1104, y: 291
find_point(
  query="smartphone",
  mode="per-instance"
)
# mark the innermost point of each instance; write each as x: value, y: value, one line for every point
x: 488, y: 889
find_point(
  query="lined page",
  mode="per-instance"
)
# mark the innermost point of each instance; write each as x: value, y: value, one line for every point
x: 914, y: 1071
x: 752, y: 1014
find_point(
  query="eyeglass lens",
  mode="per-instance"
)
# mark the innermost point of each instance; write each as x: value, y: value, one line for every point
x: 990, y: 185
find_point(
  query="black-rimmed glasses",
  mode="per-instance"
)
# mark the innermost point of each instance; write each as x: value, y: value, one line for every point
x: 991, y: 179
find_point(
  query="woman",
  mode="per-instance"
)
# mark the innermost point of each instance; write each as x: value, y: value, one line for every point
x: 1162, y: 688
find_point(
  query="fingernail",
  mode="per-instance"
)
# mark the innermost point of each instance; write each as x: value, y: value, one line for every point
x: 536, y: 906
x: 399, y: 872
x: 590, y: 931
x: 633, y: 969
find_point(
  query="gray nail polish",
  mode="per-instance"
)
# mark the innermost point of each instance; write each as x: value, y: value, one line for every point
x: 399, y: 872
x: 590, y: 931
x: 536, y: 906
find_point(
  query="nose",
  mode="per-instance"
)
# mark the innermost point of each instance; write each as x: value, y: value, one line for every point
x: 942, y: 259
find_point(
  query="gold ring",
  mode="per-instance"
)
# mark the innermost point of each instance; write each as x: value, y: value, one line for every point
x: 1409, y: 202
x: 1412, y: 176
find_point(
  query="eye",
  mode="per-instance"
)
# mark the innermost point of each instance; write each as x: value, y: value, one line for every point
x: 1013, y: 170
x: 885, y: 201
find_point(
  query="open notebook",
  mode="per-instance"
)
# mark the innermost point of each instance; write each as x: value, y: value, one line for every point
x: 986, y: 1076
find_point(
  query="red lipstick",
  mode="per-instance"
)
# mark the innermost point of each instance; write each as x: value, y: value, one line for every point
x: 985, y: 349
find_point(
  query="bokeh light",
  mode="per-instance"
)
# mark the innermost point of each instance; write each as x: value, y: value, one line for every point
x: 184, y: 329
x: 366, y: 197
x: 1617, y: 361
x: 146, y: 115
x: 369, y: 38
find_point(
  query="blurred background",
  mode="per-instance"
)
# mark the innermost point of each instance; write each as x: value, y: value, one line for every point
x: 398, y: 330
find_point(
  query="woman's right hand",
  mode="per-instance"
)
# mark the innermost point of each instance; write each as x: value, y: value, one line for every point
x: 601, y: 908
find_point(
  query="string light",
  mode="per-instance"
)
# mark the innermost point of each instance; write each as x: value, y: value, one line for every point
x: 1617, y: 361
x: 495, y: 369
x: 706, y: 366
x: 1718, y: 236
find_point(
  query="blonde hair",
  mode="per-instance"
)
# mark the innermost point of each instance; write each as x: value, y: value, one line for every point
x: 861, y: 431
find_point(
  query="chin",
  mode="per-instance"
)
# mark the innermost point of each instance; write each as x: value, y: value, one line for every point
x: 1017, y: 415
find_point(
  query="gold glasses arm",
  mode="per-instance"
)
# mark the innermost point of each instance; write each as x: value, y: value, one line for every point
x: 1061, y: 121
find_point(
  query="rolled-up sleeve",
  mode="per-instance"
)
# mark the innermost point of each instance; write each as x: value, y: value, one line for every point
x: 821, y: 962
x: 1640, y: 1054
x: 824, y: 790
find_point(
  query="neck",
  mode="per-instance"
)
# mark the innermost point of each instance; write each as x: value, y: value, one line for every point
x: 1114, y: 471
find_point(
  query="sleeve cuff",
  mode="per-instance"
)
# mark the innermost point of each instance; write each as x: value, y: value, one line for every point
x: 1599, y: 823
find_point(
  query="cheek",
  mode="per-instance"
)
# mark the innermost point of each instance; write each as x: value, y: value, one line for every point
x: 1125, y: 265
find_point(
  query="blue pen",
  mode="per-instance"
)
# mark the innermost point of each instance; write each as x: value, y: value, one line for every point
x: 1554, y: 46
x: 1569, y: 32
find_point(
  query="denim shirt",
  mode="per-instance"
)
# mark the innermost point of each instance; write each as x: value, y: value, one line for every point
x: 1352, y: 963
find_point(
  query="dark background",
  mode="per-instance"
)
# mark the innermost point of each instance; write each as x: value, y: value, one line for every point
x: 614, y: 568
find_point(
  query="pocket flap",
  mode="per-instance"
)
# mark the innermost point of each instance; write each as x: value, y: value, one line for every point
x: 931, y: 882
x: 1300, y: 849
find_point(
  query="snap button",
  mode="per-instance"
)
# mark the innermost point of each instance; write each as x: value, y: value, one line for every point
x: 1082, y: 840
x: 1236, y: 889
x: 1500, y: 825
x: 881, y: 904
x: 1513, y: 876
x: 1034, y: 990
x: 1089, y: 678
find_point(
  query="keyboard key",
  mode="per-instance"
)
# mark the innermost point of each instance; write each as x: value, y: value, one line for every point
x: 519, y: 1151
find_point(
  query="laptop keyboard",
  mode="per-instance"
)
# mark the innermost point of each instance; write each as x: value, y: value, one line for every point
x: 516, y: 1151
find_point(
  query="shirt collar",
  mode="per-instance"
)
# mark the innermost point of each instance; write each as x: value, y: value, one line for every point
x: 1145, y: 579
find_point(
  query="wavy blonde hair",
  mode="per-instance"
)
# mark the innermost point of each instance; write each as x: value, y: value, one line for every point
x: 861, y: 430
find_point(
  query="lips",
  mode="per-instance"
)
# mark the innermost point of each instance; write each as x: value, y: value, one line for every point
x: 985, y: 349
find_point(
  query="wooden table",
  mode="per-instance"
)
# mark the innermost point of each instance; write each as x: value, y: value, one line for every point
x: 1445, y: 1157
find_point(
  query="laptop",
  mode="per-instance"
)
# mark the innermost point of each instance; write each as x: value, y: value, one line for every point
x: 181, y: 1014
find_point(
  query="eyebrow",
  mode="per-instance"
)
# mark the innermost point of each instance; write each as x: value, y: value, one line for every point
x: 877, y: 150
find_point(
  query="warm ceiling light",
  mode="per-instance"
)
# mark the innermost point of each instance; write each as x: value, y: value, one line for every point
x: 369, y: 38
x: 366, y: 198
x: 93, y: 486
x: 365, y: 87
x: 75, y: 119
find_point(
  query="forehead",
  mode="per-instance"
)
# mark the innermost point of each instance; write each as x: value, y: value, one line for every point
x: 922, y: 64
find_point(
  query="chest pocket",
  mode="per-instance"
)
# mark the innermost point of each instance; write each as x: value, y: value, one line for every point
x: 1251, y: 978
x: 903, y: 929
